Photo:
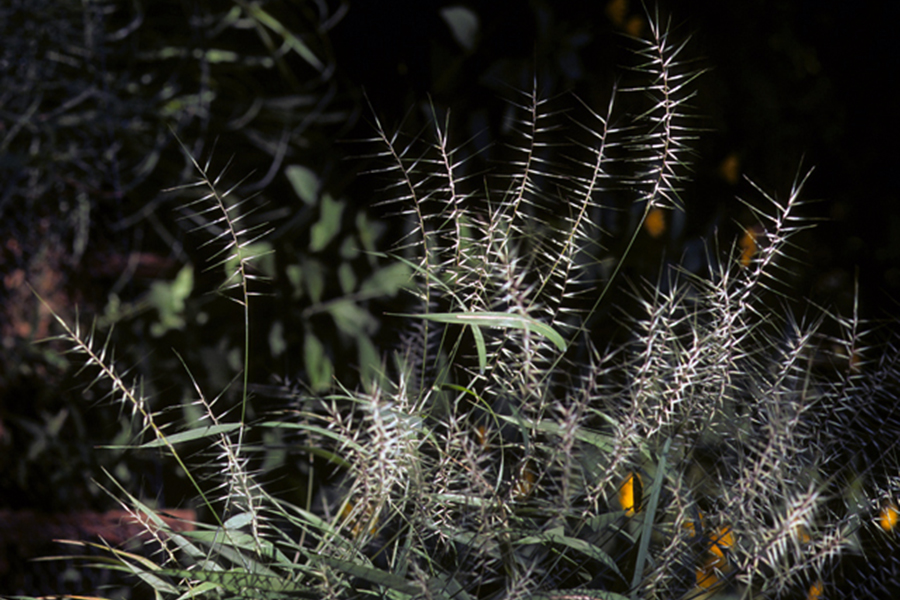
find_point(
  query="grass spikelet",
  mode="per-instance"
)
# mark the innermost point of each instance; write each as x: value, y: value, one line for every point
x: 507, y: 450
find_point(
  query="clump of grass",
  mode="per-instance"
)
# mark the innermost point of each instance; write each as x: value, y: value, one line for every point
x: 504, y: 453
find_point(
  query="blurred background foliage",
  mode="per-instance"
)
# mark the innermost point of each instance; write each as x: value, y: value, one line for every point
x: 279, y: 97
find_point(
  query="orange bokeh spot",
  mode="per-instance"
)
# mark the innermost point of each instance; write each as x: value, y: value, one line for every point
x: 629, y: 497
x: 635, y: 26
x: 655, y: 223
x: 616, y: 11
x: 889, y: 517
x: 730, y: 168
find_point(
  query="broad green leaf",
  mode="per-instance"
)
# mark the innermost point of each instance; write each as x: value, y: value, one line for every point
x: 168, y: 298
x: 369, y: 358
x: 277, y: 343
x: 313, y: 274
x: 347, y: 278
x: 295, y: 276
x: 349, y: 248
x: 304, y: 182
x: 386, y: 281
x: 329, y: 224
x: 318, y: 365
x: 369, y: 232
x: 352, y: 319
x: 239, y: 520
x: 463, y: 25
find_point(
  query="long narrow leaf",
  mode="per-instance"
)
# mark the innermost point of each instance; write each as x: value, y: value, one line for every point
x: 499, y: 320
x: 649, y: 518
x: 377, y: 576
x: 558, y: 536
x: 189, y: 436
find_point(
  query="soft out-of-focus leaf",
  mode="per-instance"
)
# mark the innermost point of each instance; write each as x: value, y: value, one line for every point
x: 352, y: 319
x: 368, y: 232
x: 347, y: 278
x: 295, y: 277
x: 313, y: 274
x: 369, y: 358
x: 328, y: 225
x: 463, y: 25
x: 277, y: 344
x: 221, y: 56
x: 168, y: 298
x: 386, y: 281
x: 318, y: 366
x: 305, y: 183
x: 349, y: 249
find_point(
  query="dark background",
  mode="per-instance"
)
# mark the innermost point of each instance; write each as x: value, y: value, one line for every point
x: 788, y: 86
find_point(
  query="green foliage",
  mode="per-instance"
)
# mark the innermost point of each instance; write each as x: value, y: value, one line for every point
x: 95, y: 96
x: 504, y: 450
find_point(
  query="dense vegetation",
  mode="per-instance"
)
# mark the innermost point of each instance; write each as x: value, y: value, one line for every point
x: 526, y: 366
